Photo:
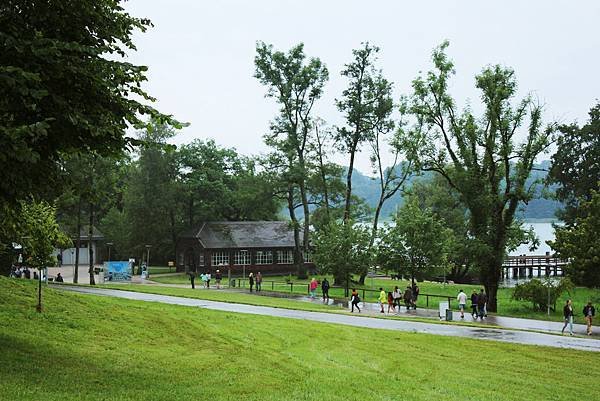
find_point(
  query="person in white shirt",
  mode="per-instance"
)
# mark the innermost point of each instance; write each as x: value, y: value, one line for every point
x: 462, y: 303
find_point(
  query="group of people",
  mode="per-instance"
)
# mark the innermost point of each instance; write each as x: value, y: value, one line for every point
x: 588, y: 313
x: 393, y: 299
x: 206, y: 277
x: 23, y: 272
x: 255, y: 280
x: 478, y: 304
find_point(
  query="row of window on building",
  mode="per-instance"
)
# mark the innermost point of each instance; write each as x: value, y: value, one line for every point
x: 241, y: 258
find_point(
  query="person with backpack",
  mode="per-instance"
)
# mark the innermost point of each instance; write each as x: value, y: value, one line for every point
x: 589, y: 312
x: 354, y: 300
x: 218, y: 278
x: 474, y: 305
x: 568, y: 314
x: 481, y: 301
x: 408, y: 297
x: 325, y: 289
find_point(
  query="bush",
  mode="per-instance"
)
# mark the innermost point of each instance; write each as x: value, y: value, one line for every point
x: 539, y: 293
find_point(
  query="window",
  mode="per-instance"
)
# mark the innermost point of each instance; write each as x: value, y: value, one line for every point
x: 241, y: 258
x: 201, y: 259
x: 264, y: 257
x: 307, y: 257
x: 220, y: 258
x: 285, y: 257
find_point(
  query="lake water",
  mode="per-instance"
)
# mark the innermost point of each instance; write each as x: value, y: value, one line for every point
x: 545, y: 232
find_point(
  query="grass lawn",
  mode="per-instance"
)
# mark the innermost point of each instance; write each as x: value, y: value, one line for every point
x: 90, y: 348
x: 506, y: 305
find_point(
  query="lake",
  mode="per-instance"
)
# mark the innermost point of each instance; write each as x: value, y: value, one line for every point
x: 545, y: 232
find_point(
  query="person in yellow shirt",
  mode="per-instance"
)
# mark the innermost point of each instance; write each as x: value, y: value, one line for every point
x: 382, y: 298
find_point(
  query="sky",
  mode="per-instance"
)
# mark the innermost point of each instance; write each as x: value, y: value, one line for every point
x: 200, y: 54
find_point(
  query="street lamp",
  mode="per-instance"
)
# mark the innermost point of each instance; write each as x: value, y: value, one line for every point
x: 244, y: 253
x: 109, y: 244
x: 148, y: 260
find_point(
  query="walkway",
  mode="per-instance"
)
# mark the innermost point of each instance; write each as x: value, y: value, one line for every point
x: 503, y: 335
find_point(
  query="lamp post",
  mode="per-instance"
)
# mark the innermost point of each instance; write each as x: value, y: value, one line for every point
x: 109, y: 245
x: 148, y: 260
x: 244, y: 253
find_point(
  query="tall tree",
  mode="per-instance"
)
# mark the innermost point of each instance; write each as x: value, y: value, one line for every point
x: 364, y: 102
x: 576, y: 165
x: 480, y: 157
x: 296, y: 84
x: 65, y: 89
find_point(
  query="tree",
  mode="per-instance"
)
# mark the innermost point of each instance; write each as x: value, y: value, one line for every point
x: 578, y: 242
x: 416, y: 244
x: 342, y: 250
x: 575, y: 165
x: 295, y: 84
x: 39, y: 235
x: 481, y: 158
x: 365, y: 103
x: 65, y: 89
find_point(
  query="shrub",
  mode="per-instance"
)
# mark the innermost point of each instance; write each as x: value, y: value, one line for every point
x: 540, y: 293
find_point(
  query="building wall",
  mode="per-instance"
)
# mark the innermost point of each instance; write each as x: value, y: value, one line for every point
x: 68, y: 255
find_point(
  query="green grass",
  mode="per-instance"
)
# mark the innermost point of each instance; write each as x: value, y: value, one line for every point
x: 506, y: 305
x: 96, y: 348
x: 161, y: 269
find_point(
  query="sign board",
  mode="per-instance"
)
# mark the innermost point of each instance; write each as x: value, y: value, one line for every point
x: 443, y: 306
x: 171, y: 264
x: 117, y: 271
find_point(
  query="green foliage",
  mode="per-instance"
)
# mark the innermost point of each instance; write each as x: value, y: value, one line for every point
x: 575, y: 165
x: 578, y: 242
x: 416, y: 244
x: 342, y: 250
x: 40, y: 234
x: 542, y: 293
x: 480, y: 157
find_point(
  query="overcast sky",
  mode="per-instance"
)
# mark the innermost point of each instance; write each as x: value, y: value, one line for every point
x: 201, y: 53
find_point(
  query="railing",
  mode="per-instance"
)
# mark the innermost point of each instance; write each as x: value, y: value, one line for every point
x: 289, y: 285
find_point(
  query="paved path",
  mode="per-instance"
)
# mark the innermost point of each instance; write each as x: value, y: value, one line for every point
x: 510, y: 336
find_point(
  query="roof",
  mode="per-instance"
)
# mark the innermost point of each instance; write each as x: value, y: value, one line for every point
x: 83, y: 234
x: 243, y: 234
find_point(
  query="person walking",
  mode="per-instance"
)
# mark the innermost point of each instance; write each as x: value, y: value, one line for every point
x: 203, y: 279
x: 481, y: 301
x: 382, y: 299
x: 192, y: 278
x: 408, y: 296
x: 354, y: 300
x: 462, y: 303
x: 568, y: 314
x: 589, y: 312
x: 325, y: 289
x: 251, y: 281
x: 474, y: 304
x: 218, y: 278
x: 397, y: 295
x: 208, y: 277
x: 390, y: 302
x: 313, y: 287
x: 258, y: 282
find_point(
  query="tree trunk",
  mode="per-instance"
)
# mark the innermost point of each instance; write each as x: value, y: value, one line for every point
x: 306, y: 234
x: 90, y: 248
x: 349, y: 185
x: 298, y: 261
x: 77, y: 243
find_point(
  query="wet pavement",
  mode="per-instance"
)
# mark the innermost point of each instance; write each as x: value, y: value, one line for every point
x: 491, y: 334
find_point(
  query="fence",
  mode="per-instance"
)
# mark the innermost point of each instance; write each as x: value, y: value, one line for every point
x: 288, y: 287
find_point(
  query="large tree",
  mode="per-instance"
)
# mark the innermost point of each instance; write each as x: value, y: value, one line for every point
x: 296, y: 84
x: 576, y: 165
x: 487, y: 159
x: 365, y: 104
x: 65, y: 88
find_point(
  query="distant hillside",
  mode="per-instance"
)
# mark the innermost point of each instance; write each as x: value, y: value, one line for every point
x: 539, y: 208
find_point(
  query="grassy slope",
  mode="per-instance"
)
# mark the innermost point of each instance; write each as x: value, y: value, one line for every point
x: 96, y: 348
x: 507, y: 306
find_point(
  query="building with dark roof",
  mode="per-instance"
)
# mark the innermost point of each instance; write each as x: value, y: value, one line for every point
x: 265, y: 246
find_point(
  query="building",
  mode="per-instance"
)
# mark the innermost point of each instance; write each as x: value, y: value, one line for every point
x: 237, y: 247
x: 68, y: 255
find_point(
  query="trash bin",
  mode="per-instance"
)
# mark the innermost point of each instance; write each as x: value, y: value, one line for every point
x: 232, y: 283
x: 448, y: 315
